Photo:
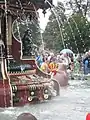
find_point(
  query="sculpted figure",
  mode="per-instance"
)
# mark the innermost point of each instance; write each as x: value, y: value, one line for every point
x: 61, y: 75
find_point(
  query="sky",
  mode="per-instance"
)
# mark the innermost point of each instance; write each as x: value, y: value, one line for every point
x: 43, y: 20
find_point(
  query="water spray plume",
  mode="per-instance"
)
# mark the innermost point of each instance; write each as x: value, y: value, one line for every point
x: 58, y: 24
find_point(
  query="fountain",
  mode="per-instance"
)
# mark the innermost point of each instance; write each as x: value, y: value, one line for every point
x: 21, y: 81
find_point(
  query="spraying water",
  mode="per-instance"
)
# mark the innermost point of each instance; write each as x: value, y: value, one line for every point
x: 58, y: 23
x: 28, y: 21
x: 71, y: 32
x: 72, y: 29
x: 77, y: 31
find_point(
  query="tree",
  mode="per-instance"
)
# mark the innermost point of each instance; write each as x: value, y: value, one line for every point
x: 79, y: 6
x: 78, y: 34
x: 74, y: 31
x: 53, y: 33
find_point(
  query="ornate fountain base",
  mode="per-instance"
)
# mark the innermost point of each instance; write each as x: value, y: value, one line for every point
x: 5, y: 94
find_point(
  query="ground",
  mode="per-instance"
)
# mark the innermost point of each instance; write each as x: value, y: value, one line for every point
x: 72, y: 104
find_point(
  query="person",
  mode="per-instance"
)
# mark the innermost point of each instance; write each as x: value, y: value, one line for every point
x: 26, y: 116
x: 76, y: 66
x: 86, y: 61
x: 44, y: 65
x: 88, y: 116
x: 39, y: 60
x: 66, y: 59
x: 53, y: 67
x: 86, y: 67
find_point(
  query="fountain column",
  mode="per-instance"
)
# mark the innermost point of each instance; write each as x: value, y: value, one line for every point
x: 0, y: 22
x: 9, y: 42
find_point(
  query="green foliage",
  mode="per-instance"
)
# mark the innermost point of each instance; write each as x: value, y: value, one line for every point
x: 74, y: 32
x: 79, y: 6
x: 52, y: 33
x: 79, y: 33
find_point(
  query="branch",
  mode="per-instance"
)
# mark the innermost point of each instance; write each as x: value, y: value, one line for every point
x: 79, y: 6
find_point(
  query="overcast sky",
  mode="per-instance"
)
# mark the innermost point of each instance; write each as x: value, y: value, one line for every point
x: 43, y: 20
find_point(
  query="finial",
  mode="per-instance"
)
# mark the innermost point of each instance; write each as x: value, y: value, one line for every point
x: 44, y: 11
